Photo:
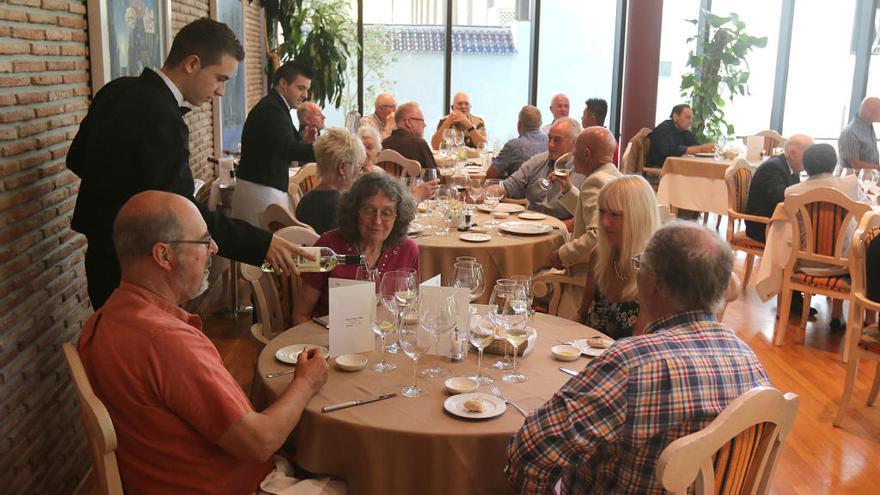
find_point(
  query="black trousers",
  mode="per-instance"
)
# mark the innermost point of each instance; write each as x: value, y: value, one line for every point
x: 102, y: 272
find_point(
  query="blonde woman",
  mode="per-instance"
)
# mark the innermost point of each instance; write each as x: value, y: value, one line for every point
x: 627, y: 219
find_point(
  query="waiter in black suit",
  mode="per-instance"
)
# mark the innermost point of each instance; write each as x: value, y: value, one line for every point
x: 768, y: 185
x: 134, y: 139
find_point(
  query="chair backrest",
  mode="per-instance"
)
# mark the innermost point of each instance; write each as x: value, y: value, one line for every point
x: 738, y: 179
x: 736, y: 452
x: 395, y: 164
x: 277, y: 217
x: 772, y: 139
x: 306, y: 179
x: 638, y: 148
x: 867, y: 231
x: 98, y: 425
x: 823, y: 219
x: 305, y: 236
x: 198, y: 184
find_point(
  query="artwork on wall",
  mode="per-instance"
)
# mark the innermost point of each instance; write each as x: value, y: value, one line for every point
x: 230, y: 121
x: 127, y: 36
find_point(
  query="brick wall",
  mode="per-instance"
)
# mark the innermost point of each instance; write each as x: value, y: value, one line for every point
x: 255, y: 57
x: 44, y: 93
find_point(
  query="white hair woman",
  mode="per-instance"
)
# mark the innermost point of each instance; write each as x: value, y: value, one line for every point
x: 372, y: 145
x: 339, y: 155
x: 627, y: 219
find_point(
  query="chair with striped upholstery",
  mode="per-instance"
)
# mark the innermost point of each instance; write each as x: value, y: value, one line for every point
x: 864, y: 341
x: 822, y: 221
x: 737, y: 452
x: 738, y: 179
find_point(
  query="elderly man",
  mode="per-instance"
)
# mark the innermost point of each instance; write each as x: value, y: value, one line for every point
x: 858, y: 142
x: 183, y: 423
x: 311, y: 118
x: 603, y: 431
x: 768, y: 184
x: 382, y: 118
x: 530, y: 142
x: 134, y: 138
x: 526, y: 182
x: 472, y: 127
x: 673, y: 137
x: 408, y: 138
x: 559, y: 107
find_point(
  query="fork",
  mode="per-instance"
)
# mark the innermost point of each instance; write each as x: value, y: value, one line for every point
x: 497, y: 393
x: 280, y: 373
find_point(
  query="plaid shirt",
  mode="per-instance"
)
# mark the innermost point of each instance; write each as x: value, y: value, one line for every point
x: 603, y: 431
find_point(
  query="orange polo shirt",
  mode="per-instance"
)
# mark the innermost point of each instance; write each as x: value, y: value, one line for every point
x: 169, y: 396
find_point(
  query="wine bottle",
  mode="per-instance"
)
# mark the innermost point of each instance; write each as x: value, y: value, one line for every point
x: 325, y: 260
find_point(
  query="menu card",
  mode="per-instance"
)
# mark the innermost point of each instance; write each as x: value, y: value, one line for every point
x: 431, y: 282
x: 352, y: 310
x: 754, y: 145
x: 462, y: 303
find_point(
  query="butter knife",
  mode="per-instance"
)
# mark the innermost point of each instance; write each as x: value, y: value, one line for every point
x: 336, y: 407
x: 569, y: 372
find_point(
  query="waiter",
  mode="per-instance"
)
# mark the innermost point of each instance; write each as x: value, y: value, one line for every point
x: 134, y: 139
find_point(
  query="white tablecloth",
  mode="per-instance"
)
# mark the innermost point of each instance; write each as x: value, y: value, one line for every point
x: 692, y: 192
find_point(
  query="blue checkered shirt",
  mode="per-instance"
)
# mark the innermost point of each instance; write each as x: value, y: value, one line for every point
x: 858, y: 140
x: 518, y: 150
x: 603, y: 431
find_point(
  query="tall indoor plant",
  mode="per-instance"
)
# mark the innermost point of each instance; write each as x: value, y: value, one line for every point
x: 718, y: 73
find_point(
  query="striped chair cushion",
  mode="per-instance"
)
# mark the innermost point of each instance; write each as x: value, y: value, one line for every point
x: 871, y: 235
x: 734, y: 461
x: 839, y: 283
x: 741, y: 239
x: 742, y: 179
x: 827, y: 220
x: 870, y: 339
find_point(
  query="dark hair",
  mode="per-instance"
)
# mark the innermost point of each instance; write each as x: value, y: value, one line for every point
x: 289, y: 70
x: 367, y: 186
x: 598, y: 108
x: 677, y: 109
x: 208, y: 39
x: 819, y: 159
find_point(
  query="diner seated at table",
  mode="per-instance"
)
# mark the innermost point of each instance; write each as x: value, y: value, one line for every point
x: 604, y: 430
x: 408, y: 138
x: 310, y: 117
x: 673, y: 137
x: 338, y: 154
x: 182, y: 422
x: 461, y: 119
x: 382, y: 119
x: 628, y: 217
x: 374, y: 216
x: 373, y: 145
x: 529, y: 143
x: 526, y: 182
x: 560, y: 106
x: 595, y: 110
x: 858, y: 141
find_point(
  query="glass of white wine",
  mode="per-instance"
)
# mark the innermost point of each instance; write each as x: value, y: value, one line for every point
x: 502, y: 287
x: 481, y: 334
x: 384, y: 326
x: 509, y: 310
x: 414, y: 340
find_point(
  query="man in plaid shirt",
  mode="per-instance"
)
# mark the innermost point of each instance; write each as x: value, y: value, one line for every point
x: 603, y: 431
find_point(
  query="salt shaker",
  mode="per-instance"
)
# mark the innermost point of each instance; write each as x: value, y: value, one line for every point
x: 457, y: 345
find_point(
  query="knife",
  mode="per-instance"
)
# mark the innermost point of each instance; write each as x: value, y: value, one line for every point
x: 569, y: 372
x: 336, y: 407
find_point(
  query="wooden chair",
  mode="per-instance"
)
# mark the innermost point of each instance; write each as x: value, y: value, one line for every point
x: 819, y: 220
x: 305, y: 180
x: 551, y: 283
x: 736, y: 452
x: 98, y: 425
x: 274, y: 295
x: 738, y: 179
x: 772, y: 139
x: 864, y: 342
x: 641, y: 143
x: 277, y: 217
x: 395, y: 164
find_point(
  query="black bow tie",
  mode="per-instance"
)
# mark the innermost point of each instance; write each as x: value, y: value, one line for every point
x: 185, y: 110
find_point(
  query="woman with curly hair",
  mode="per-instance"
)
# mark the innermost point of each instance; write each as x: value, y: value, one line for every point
x: 627, y: 219
x: 373, y: 217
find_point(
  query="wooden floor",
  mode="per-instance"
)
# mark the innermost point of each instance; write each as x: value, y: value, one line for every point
x: 817, y: 459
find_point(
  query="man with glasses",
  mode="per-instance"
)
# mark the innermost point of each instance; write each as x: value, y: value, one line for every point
x: 183, y: 423
x: 382, y: 118
x: 408, y: 138
x: 604, y: 430
x: 472, y: 128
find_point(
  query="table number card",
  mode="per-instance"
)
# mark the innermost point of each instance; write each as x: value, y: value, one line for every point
x: 462, y: 303
x: 431, y: 282
x: 352, y: 309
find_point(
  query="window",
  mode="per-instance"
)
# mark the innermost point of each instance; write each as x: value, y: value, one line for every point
x: 674, y: 50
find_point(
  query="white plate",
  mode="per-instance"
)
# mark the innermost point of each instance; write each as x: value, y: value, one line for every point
x: 492, y: 406
x: 505, y: 207
x: 525, y: 228
x: 585, y: 348
x: 705, y: 155
x: 530, y: 215
x: 475, y: 237
x: 415, y: 228
x: 290, y: 354
x: 351, y: 362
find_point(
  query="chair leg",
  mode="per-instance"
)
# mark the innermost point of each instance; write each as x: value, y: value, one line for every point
x: 872, y: 398
x: 718, y: 223
x: 783, y: 310
x: 750, y: 261
x: 851, y: 372
x: 853, y: 330
x: 805, y: 315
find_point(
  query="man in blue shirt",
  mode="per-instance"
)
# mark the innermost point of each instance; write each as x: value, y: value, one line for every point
x: 530, y: 142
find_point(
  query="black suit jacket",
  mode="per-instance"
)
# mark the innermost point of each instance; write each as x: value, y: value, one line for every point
x: 668, y: 141
x: 269, y: 142
x: 134, y: 139
x: 766, y: 191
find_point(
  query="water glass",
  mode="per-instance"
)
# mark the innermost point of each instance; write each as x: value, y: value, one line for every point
x: 525, y: 281
x: 502, y: 285
x: 481, y: 333
x: 493, y: 192
x: 438, y: 316
x: 415, y: 340
x: 469, y: 275
x: 475, y: 189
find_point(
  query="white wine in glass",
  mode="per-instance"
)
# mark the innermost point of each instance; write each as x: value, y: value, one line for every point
x: 384, y: 325
x: 481, y: 336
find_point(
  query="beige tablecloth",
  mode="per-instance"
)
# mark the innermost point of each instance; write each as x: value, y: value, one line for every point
x: 412, y: 446
x: 694, y: 183
x: 503, y: 256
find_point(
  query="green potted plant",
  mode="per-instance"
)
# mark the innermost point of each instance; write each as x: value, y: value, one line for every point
x: 717, y: 74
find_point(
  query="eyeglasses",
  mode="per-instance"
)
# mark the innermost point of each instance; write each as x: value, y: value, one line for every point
x: 205, y: 242
x: 416, y: 118
x: 370, y: 212
x: 637, y: 261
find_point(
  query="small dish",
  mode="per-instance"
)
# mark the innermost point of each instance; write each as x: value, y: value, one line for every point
x: 351, y: 362
x: 475, y: 237
x: 526, y: 228
x: 506, y: 207
x: 289, y: 354
x: 531, y: 215
x: 460, y: 385
x: 599, y: 342
x: 586, y: 349
x: 491, y: 406
x: 500, y: 214
x: 565, y: 352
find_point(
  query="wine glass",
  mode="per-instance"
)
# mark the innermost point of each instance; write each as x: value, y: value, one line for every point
x: 438, y: 316
x: 481, y: 333
x: 868, y: 180
x: 415, y: 340
x: 429, y: 174
x: 459, y: 182
x: 384, y: 325
x: 465, y: 258
x: 444, y: 196
x: 475, y: 189
x: 493, y: 191
x: 366, y: 273
x: 510, y: 312
x: 562, y: 167
x: 525, y: 282
x: 502, y: 287
x: 469, y: 275
x: 397, y: 289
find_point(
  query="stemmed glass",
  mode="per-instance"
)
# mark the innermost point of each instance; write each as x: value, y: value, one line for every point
x: 438, y: 316
x: 525, y: 282
x: 868, y: 180
x: 509, y: 311
x: 459, y: 183
x: 469, y: 275
x: 415, y: 341
x: 429, y: 175
x: 444, y: 195
x: 481, y: 336
x: 383, y: 326
x: 492, y: 196
x: 502, y: 287
x: 562, y: 167
x: 397, y: 290
x: 475, y: 189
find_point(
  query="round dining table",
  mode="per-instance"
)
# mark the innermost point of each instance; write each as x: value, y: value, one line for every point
x: 406, y: 446
x: 504, y: 255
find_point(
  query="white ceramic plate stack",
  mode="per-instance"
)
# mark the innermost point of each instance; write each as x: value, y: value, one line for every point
x: 526, y: 228
x: 502, y: 207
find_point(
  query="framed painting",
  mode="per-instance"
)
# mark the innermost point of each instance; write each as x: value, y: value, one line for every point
x: 229, y: 121
x: 126, y: 36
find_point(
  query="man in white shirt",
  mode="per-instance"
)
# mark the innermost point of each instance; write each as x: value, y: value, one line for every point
x: 559, y: 107
x: 382, y: 118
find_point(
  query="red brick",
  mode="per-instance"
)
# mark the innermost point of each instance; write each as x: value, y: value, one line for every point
x: 50, y: 110
x: 60, y: 94
x: 55, y: 5
x: 34, y: 159
x: 75, y: 78
x: 66, y: 120
x: 12, y: 14
x: 47, y: 169
x: 29, y: 3
x: 32, y: 97
x: 13, y: 48
x: 72, y: 22
x: 48, y: 80
x: 76, y: 105
x: 79, y: 36
x: 70, y: 50
x: 31, y: 128
x: 5, y: 66
x: 17, y: 147
x: 42, y: 18
x: 43, y: 49
x: 8, y: 133
x: 28, y: 33
x: 61, y: 65
x: 7, y: 100
x: 11, y: 81
x: 59, y: 153
x: 29, y: 66
x: 15, y: 115
x: 57, y: 34
x: 77, y: 8
x: 46, y: 141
